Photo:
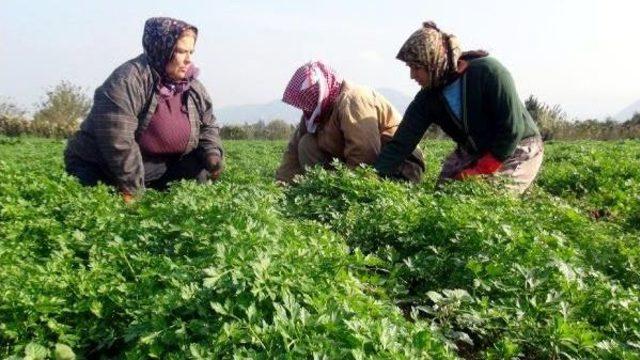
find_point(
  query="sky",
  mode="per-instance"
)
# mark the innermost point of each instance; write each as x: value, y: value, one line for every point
x: 579, y: 54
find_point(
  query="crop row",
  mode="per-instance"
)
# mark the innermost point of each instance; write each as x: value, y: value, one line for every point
x: 340, y: 265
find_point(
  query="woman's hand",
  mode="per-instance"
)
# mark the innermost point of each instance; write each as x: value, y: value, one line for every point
x: 214, y: 165
x: 485, y: 165
x: 128, y: 198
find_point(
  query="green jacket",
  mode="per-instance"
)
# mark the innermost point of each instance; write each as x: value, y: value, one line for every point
x: 493, y: 117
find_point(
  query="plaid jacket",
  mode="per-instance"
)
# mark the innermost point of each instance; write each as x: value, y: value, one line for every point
x: 122, y: 108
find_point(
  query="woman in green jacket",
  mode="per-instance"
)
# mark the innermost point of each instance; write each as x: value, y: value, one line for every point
x: 473, y: 99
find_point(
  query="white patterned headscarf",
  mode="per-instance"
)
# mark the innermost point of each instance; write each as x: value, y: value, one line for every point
x: 313, y: 88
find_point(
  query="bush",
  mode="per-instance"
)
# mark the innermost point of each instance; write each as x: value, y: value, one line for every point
x: 233, y: 132
x: 275, y: 130
x: 12, y: 120
x: 61, y: 112
x: 550, y: 119
x: 553, y: 124
x: 14, y: 126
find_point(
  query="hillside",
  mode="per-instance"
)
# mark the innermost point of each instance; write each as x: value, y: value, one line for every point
x: 626, y: 113
x: 276, y: 109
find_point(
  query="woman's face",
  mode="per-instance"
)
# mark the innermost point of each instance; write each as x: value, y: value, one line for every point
x: 180, y: 62
x: 419, y: 74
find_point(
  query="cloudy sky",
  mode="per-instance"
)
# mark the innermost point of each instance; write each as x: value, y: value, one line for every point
x: 580, y: 54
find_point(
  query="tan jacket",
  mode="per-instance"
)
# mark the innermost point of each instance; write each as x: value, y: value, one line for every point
x: 360, y: 121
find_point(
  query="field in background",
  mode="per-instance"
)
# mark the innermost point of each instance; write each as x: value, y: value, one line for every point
x: 341, y: 265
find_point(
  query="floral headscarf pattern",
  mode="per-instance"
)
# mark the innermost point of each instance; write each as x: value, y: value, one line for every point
x: 436, y: 51
x: 158, y: 40
x: 313, y: 88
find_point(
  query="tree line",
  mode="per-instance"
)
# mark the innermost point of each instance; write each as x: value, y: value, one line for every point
x: 64, y: 107
x: 273, y: 130
x: 553, y: 123
x: 59, y: 114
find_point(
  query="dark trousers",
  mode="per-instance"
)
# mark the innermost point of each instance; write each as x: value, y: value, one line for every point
x: 158, y: 172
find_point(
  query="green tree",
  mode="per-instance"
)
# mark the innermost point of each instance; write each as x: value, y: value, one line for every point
x: 277, y: 130
x: 550, y: 119
x: 233, y: 132
x: 62, y: 110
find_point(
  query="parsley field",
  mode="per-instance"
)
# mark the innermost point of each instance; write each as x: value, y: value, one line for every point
x: 342, y: 265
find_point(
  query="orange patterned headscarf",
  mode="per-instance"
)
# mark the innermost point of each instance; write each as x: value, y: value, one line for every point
x: 436, y: 51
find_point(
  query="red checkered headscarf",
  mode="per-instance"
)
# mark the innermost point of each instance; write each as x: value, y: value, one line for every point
x: 313, y: 88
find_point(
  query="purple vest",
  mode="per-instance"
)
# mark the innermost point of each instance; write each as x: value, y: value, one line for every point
x: 169, y: 129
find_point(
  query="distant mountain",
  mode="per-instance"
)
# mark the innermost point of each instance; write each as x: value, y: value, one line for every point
x: 628, y: 112
x: 236, y: 115
x: 398, y: 99
x: 240, y: 114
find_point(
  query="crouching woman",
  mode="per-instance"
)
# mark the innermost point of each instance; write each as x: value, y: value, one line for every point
x: 472, y: 97
x: 151, y: 120
x: 341, y: 120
